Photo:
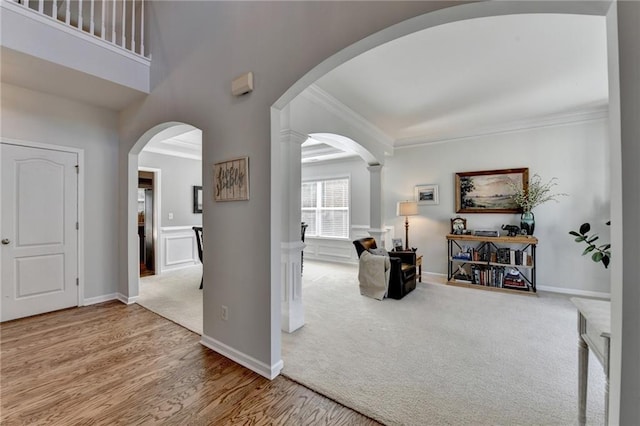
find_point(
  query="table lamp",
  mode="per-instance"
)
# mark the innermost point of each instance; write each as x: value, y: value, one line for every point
x: 406, y: 209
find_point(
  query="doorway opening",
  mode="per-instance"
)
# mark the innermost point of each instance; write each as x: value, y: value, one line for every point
x: 146, y: 222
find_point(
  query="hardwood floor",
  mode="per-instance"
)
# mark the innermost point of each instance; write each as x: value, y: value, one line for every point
x: 117, y: 364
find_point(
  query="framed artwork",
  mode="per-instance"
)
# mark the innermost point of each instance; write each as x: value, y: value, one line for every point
x: 489, y: 191
x: 231, y: 180
x: 427, y: 194
x: 397, y: 244
x: 197, y: 199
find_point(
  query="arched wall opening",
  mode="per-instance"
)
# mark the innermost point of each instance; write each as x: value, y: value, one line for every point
x: 157, y: 133
x: 453, y: 14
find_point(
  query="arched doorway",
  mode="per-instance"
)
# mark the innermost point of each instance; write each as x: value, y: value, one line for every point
x: 441, y: 17
x: 174, y: 245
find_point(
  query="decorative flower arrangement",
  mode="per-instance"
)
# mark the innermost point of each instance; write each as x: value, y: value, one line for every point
x: 536, y: 194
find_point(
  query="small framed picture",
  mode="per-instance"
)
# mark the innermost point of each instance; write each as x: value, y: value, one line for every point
x: 197, y: 199
x: 397, y: 244
x: 427, y: 194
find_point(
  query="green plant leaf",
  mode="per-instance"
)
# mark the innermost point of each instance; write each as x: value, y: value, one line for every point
x: 579, y: 239
x: 584, y: 228
x: 574, y: 233
x: 588, y: 250
x: 592, y: 239
x: 605, y: 261
x: 597, y: 256
x: 605, y: 247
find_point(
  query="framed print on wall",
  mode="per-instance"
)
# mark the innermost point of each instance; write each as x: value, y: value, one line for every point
x: 489, y: 191
x: 231, y: 180
x: 427, y: 194
x: 197, y: 199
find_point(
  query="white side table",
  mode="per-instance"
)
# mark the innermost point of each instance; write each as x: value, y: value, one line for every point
x: 594, y: 330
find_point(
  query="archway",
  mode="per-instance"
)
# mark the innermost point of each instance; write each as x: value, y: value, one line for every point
x: 453, y: 14
x: 161, y: 132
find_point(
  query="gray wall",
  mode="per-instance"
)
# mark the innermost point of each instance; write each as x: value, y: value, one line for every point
x: 178, y: 176
x: 38, y: 117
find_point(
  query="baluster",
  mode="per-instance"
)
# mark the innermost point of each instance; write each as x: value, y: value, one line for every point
x: 142, y: 27
x: 103, y: 29
x: 40, y: 6
x: 80, y: 14
x: 113, y: 23
x: 124, y: 27
x: 67, y: 18
x: 54, y: 9
x: 91, y: 24
x: 133, y: 26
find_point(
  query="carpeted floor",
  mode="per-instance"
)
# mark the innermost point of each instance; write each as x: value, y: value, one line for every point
x: 443, y: 355
x: 175, y: 295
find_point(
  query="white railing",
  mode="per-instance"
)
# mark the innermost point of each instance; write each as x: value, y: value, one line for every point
x: 120, y: 22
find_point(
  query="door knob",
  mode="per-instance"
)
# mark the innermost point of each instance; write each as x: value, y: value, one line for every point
x: 5, y: 241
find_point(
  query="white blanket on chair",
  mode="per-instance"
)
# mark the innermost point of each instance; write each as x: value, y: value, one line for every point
x: 373, y: 275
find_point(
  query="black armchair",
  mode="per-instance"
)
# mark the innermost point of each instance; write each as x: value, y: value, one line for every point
x: 402, y: 279
x: 198, y: 231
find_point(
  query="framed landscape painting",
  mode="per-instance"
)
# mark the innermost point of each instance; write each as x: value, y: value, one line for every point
x: 427, y: 194
x: 489, y: 191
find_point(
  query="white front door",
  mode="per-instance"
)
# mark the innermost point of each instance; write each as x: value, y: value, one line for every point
x: 39, y: 236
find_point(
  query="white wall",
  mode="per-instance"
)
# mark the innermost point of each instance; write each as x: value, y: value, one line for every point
x: 577, y: 154
x: 38, y: 117
x: 179, y: 175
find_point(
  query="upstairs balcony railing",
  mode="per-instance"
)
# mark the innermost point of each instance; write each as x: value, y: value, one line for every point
x: 120, y: 22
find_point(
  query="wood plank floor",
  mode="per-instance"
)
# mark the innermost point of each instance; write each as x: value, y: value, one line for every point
x: 117, y: 364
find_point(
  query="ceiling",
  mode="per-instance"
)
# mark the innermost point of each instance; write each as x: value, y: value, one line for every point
x: 474, y: 77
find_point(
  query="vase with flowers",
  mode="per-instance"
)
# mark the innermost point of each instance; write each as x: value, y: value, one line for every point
x: 536, y: 193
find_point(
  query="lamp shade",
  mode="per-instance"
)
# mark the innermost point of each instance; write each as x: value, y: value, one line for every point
x: 407, y: 208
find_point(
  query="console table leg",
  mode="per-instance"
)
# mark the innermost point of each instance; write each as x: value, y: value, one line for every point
x: 583, y: 368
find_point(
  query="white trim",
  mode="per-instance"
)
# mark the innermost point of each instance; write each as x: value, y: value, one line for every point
x: 54, y: 23
x: 575, y: 292
x: 513, y: 127
x: 550, y: 289
x: 178, y: 228
x: 126, y: 300
x: 270, y: 372
x: 172, y: 153
x: 80, y: 157
x: 100, y: 299
x: 331, y: 104
x: 157, y: 214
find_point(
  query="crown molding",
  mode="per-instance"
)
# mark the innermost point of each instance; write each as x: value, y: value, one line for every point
x: 514, y: 126
x: 172, y: 153
x: 317, y: 95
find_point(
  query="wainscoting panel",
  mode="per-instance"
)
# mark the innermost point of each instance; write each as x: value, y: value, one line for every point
x: 341, y: 251
x: 178, y: 247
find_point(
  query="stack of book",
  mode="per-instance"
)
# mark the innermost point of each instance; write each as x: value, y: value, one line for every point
x: 513, y: 280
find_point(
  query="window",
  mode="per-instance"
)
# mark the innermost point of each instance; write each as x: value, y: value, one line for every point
x: 325, y: 207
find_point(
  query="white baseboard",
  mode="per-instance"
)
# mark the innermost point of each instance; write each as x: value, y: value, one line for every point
x: 270, y: 372
x: 575, y: 292
x: 127, y: 300
x: 561, y: 290
x: 99, y: 299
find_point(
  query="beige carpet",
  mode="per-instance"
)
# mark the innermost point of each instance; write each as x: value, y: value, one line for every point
x: 175, y: 295
x: 443, y: 355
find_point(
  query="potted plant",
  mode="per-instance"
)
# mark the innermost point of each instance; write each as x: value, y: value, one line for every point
x: 535, y: 194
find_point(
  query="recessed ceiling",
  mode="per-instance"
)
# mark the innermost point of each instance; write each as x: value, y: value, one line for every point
x: 477, y: 76
x: 185, y: 144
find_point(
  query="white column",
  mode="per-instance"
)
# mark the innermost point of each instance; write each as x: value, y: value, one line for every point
x: 376, y: 220
x: 292, y: 246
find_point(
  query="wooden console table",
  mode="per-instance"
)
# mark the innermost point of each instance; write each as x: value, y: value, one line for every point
x: 594, y: 331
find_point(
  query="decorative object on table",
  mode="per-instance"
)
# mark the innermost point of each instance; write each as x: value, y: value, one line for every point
x: 486, y: 233
x: 406, y: 209
x: 532, y: 195
x: 489, y: 191
x: 458, y: 225
x: 231, y: 180
x: 397, y: 244
x: 427, y: 194
x: 197, y: 199
x: 601, y: 253
x: 513, y: 230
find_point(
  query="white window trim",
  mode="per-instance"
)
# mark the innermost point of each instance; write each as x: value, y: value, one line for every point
x: 318, y: 210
